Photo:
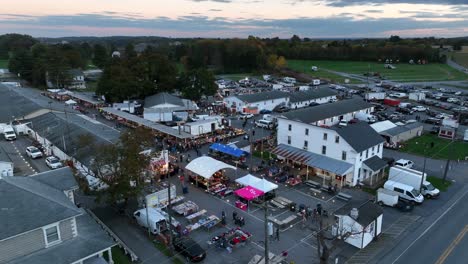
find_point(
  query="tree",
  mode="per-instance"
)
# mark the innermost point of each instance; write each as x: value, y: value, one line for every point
x: 122, y: 166
x: 117, y: 82
x: 394, y: 38
x: 130, y: 51
x: 100, y: 57
x: 276, y: 62
x: 197, y: 83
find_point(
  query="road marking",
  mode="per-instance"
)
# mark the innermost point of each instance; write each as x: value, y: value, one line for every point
x: 429, y: 227
x: 452, y: 246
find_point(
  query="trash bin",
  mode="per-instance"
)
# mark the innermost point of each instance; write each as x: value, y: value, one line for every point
x: 292, y: 207
x: 185, y: 190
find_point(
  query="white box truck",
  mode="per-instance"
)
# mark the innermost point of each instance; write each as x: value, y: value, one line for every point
x: 413, y: 178
x: 387, y: 197
x: 375, y: 96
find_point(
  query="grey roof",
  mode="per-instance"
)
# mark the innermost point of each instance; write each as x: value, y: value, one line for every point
x: 375, y: 163
x: 401, y: 129
x: 311, y: 94
x: 162, y: 98
x: 87, y: 97
x: 64, y: 131
x: 258, y: 97
x: 4, y: 155
x: 61, y: 179
x: 151, y: 125
x: 76, y: 72
x: 27, y: 204
x: 368, y: 212
x: 360, y: 136
x: 90, y: 240
x: 335, y: 166
x: 313, y: 114
x: 12, y: 104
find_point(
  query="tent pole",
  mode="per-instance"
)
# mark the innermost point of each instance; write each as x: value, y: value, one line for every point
x: 307, y: 174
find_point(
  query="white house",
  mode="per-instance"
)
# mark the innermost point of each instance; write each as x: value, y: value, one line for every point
x: 162, y: 106
x: 358, y: 225
x: 340, y: 155
x: 254, y: 103
x: 77, y: 79
x: 314, y: 95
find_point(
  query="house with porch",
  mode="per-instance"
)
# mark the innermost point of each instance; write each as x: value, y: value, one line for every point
x: 41, y: 223
x: 348, y: 155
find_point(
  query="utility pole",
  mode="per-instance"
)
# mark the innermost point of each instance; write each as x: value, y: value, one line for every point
x: 169, y: 205
x: 447, y: 165
x: 267, y: 255
x: 251, y: 152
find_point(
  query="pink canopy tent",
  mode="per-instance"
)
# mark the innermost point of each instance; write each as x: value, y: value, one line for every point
x: 248, y: 193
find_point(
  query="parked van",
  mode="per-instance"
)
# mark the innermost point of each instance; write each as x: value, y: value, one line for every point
x: 9, y: 133
x: 405, y: 191
x: 404, y: 163
x: 264, y: 124
x: 156, y: 218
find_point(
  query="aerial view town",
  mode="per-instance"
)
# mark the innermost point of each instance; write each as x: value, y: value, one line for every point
x: 234, y: 132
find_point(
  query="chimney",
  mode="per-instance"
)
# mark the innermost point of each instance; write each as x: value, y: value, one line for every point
x: 354, y: 213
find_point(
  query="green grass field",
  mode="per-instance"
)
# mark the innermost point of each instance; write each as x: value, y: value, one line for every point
x: 439, y: 183
x: 118, y: 255
x: 461, y: 58
x: 3, y: 64
x: 403, y: 72
x: 442, y: 149
x: 305, y: 66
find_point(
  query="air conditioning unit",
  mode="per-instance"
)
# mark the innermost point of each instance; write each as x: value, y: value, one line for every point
x: 304, y: 148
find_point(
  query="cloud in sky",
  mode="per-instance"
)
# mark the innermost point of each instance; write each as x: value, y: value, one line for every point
x: 238, y: 18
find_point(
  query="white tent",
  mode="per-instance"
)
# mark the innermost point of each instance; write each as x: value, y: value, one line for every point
x: 206, y: 166
x: 264, y: 186
x: 70, y: 102
x: 248, y: 180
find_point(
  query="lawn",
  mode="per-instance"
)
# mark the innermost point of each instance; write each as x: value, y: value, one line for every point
x: 167, y: 252
x: 461, y: 58
x: 3, y: 64
x: 439, y: 183
x: 443, y: 148
x: 404, y: 72
x: 305, y: 66
x: 118, y: 255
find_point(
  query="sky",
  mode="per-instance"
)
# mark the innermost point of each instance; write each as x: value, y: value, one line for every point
x: 236, y: 18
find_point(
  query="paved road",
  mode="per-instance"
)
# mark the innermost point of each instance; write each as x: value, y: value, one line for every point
x: 445, y: 240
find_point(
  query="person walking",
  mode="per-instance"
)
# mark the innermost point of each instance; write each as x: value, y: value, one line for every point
x: 234, y: 216
x: 277, y: 234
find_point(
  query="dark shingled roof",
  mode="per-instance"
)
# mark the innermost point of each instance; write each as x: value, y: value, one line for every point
x: 162, y: 98
x: 61, y: 179
x: 311, y: 94
x: 360, y: 136
x: 313, y: 114
x: 76, y: 72
x: 368, y: 212
x: 375, y: 163
x: 13, y: 104
x: 258, y: 97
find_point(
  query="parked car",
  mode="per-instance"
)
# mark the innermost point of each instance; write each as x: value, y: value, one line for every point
x: 405, y: 191
x: 246, y: 116
x: 452, y: 100
x: 190, y: 249
x: 405, y: 111
x: 404, y: 163
x: 314, y: 104
x: 53, y: 162
x: 433, y: 121
x: 419, y: 108
x: 33, y: 152
x: 265, y: 111
x: 343, y: 123
x: 264, y: 124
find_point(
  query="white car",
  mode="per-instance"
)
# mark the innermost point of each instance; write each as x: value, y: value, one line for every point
x: 53, y: 162
x: 419, y: 108
x: 404, y: 163
x: 452, y: 100
x: 343, y: 123
x: 33, y: 152
x: 246, y: 116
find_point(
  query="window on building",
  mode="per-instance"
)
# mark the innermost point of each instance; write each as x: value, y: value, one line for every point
x: 378, y: 148
x: 52, y: 234
x: 325, y: 136
x: 307, y: 131
x: 367, y: 153
x: 306, y: 143
x: 337, y: 139
x: 373, y: 149
x: 289, y: 140
x: 324, y: 150
x: 289, y: 127
x: 332, y: 119
x: 343, y: 155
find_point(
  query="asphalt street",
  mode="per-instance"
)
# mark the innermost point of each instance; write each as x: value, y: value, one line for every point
x: 440, y: 240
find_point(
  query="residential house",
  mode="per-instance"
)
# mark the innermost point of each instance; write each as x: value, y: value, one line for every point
x: 347, y: 155
x: 162, y: 107
x: 305, y: 98
x: 75, y: 80
x: 41, y: 224
x: 254, y: 103
x: 358, y: 225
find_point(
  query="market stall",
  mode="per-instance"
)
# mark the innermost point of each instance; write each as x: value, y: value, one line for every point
x: 267, y: 188
x: 208, y: 173
x: 206, y: 222
x: 231, y: 239
x: 248, y: 180
x: 246, y: 195
x: 186, y: 208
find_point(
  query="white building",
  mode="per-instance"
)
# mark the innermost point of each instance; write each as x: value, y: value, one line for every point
x: 305, y: 98
x: 254, y: 103
x: 340, y: 155
x: 162, y: 107
x: 359, y: 225
x: 75, y: 80
x: 202, y: 127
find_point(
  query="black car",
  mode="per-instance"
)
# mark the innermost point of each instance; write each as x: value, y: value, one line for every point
x: 190, y: 249
x: 404, y: 206
x: 405, y: 111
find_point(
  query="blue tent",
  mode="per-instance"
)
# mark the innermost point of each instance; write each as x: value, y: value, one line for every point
x: 228, y: 150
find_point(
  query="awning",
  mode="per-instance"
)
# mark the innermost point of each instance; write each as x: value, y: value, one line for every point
x: 248, y: 180
x: 375, y: 164
x: 249, y: 193
x: 70, y: 102
x: 206, y: 166
x: 334, y: 166
x: 235, y: 152
x: 264, y: 186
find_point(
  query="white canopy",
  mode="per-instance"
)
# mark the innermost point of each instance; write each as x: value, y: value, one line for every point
x: 70, y: 102
x: 206, y: 166
x: 264, y: 186
x: 248, y: 180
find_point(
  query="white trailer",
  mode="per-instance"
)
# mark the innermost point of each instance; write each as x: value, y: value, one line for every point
x: 202, y: 127
x: 160, y: 197
x: 387, y: 197
x: 375, y: 96
x: 413, y: 178
x: 417, y: 96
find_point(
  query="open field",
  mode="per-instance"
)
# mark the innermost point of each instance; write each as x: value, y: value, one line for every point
x: 461, y: 58
x: 443, y: 148
x: 3, y: 64
x: 403, y: 72
x: 305, y: 66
